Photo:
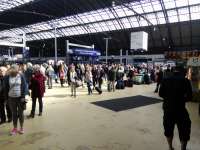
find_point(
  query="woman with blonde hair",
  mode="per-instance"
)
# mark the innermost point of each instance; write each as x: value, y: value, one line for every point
x: 62, y: 75
x: 15, y: 91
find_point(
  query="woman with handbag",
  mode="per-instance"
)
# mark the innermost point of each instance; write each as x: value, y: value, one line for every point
x: 15, y: 91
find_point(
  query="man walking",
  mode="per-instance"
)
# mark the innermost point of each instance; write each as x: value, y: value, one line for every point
x: 176, y: 90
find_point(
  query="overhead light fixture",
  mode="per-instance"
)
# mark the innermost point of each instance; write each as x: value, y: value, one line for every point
x: 113, y: 3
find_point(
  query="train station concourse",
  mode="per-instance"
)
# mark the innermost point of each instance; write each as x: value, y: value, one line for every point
x: 99, y: 74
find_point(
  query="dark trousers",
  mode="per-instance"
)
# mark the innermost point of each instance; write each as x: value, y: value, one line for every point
x: 157, y: 87
x: 17, y: 111
x: 100, y: 82
x: 4, y: 107
x: 89, y: 88
x: 50, y: 82
x: 34, y: 105
x: 62, y: 81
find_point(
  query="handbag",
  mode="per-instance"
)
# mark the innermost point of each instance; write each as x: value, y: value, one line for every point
x: 23, y: 102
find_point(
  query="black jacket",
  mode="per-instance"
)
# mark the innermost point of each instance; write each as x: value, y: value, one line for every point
x: 2, y: 95
x: 175, y: 91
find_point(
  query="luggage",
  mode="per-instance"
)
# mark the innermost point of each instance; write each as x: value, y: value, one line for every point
x: 129, y: 83
x: 79, y: 83
x: 146, y: 79
x: 98, y: 90
x: 109, y: 87
x: 120, y: 84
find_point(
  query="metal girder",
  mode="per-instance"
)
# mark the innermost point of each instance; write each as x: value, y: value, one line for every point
x: 161, y: 38
x: 137, y: 14
x: 149, y: 28
x: 179, y: 25
x: 171, y: 43
x: 191, y: 34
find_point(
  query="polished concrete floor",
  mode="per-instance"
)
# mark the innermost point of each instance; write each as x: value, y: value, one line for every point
x: 76, y: 124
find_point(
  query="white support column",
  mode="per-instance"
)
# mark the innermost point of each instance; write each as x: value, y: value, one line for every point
x: 126, y: 57
x: 107, y: 39
x: 67, y: 51
x: 121, y: 54
x: 55, y: 40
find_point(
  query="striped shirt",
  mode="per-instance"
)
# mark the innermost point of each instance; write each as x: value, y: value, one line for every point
x: 15, y: 86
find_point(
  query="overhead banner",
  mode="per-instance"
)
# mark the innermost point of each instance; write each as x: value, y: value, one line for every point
x: 139, y: 40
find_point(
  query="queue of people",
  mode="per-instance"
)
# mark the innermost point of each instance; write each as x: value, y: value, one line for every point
x: 17, y: 81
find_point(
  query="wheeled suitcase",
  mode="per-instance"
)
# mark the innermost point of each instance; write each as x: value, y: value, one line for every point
x: 120, y: 84
x: 98, y: 90
x: 129, y: 83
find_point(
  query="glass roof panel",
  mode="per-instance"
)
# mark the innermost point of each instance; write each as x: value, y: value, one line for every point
x: 181, y: 3
x: 126, y: 23
x: 138, y: 8
x: 104, y: 20
x: 195, y: 9
x: 195, y: 16
x: 147, y: 7
x: 8, y: 4
x: 120, y: 12
x: 156, y: 5
x: 191, y: 2
x: 169, y: 4
x: 172, y: 16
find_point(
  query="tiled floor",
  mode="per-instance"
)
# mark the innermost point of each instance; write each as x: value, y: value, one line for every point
x: 76, y: 124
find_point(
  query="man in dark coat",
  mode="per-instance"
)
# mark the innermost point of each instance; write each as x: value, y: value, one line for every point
x: 176, y: 90
x: 3, y: 104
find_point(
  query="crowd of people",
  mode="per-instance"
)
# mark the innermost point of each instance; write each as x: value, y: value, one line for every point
x: 19, y: 80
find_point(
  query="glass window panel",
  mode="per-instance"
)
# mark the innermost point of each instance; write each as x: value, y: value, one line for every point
x: 173, y: 19
x: 191, y: 2
x: 195, y: 16
x: 143, y: 22
x: 161, y: 21
x: 138, y: 8
x: 160, y: 15
x: 185, y: 17
x: 156, y: 5
x: 150, y: 16
x: 5, y: 4
x: 195, y: 9
x: 147, y: 7
x: 169, y: 4
x: 120, y: 11
x: 172, y: 13
x: 128, y: 11
x: 181, y: 3
x: 183, y: 11
x: 126, y: 23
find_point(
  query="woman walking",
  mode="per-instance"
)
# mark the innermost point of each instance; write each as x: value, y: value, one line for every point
x: 15, y: 91
x: 88, y: 79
